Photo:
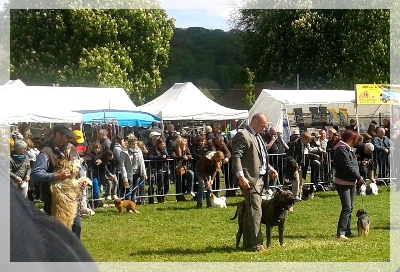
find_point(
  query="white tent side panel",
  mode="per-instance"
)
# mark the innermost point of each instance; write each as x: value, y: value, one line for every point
x: 272, y: 103
x: 184, y: 101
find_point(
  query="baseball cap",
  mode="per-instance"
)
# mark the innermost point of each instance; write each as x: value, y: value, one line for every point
x: 154, y: 133
x: 315, y: 134
x: 64, y: 130
x: 296, y: 131
x: 334, y: 131
x: 79, y: 136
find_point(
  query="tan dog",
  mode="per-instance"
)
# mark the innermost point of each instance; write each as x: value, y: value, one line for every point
x: 219, y: 202
x: 125, y: 204
x: 65, y: 193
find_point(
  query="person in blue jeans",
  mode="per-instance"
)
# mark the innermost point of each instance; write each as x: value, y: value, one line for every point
x: 132, y: 167
x: 346, y: 176
x: 206, y: 171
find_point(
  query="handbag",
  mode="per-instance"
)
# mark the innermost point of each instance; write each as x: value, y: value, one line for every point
x: 180, y: 170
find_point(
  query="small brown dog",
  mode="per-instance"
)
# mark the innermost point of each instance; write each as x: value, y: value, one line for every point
x: 122, y: 204
x: 363, y: 222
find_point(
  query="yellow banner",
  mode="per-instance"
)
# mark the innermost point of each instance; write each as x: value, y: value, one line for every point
x: 376, y: 94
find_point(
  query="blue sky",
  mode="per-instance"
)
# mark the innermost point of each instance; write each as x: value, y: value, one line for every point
x: 210, y: 14
x: 207, y: 18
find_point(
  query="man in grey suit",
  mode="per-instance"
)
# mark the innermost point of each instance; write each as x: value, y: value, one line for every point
x: 250, y: 163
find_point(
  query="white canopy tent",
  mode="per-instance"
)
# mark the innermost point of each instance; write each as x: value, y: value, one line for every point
x: 58, y: 104
x: 17, y: 108
x: 275, y: 103
x: 184, y: 101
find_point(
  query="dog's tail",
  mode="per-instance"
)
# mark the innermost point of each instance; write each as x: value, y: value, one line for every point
x: 236, y: 213
x: 365, y: 223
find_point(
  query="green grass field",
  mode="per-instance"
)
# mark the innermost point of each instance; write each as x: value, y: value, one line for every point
x: 177, y: 232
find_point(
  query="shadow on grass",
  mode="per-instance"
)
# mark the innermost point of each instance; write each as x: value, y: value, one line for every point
x: 170, y: 208
x: 188, y: 251
x: 325, y: 195
x: 385, y: 228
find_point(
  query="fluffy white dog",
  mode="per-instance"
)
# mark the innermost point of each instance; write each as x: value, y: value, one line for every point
x: 371, y: 189
x: 268, y: 195
x: 219, y: 202
x: 374, y: 188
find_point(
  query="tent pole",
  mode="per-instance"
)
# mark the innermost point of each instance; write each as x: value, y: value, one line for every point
x: 356, y: 110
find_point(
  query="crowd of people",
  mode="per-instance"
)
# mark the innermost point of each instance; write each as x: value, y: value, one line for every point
x: 125, y: 167
x: 143, y: 166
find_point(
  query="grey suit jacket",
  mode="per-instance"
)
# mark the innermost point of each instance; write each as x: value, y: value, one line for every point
x: 245, y: 156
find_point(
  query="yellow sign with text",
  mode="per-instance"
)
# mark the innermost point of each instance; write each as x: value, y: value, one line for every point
x: 373, y: 94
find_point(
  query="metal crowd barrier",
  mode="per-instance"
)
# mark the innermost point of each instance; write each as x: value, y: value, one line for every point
x: 176, y: 185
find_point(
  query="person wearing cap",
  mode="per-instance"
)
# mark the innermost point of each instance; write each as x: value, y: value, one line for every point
x: 42, y: 172
x: 153, y: 137
x: 80, y: 144
x: 295, y: 135
x: 146, y: 138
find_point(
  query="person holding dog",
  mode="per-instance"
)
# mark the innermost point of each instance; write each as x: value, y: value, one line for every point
x: 250, y: 165
x: 206, y: 172
x: 58, y: 147
x: 346, y: 176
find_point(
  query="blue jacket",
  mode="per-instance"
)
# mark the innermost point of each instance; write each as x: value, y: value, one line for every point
x: 380, y: 146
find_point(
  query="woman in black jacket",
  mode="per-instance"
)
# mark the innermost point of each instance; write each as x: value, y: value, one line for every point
x: 346, y: 176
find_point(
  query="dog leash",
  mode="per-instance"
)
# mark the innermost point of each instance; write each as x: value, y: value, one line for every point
x: 362, y: 197
x: 130, y: 192
x: 362, y: 202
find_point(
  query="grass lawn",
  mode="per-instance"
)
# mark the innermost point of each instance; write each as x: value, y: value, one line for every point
x: 177, y: 232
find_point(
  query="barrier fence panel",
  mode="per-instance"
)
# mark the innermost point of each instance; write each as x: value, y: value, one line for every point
x: 164, y: 179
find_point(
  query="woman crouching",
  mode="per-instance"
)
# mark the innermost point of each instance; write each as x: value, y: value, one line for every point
x: 206, y: 170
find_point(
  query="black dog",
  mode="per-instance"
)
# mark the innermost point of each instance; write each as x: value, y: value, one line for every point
x: 308, y: 192
x: 274, y: 213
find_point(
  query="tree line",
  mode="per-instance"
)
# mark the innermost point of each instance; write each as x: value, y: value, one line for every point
x: 143, y: 52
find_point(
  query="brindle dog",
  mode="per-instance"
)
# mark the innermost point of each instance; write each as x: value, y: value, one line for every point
x: 274, y: 213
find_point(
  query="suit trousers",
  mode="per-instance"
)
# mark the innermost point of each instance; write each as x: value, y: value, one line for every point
x: 252, y: 235
x: 297, y: 183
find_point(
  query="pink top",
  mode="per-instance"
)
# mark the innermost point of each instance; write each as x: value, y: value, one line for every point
x: 344, y: 182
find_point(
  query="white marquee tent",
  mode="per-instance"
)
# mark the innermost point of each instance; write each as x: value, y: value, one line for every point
x: 57, y: 104
x: 184, y: 101
x: 275, y: 102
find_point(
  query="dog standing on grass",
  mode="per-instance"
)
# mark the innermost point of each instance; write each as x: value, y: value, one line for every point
x: 219, y: 202
x: 363, y: 222
x: 125, y: 204
x: 274, y: 213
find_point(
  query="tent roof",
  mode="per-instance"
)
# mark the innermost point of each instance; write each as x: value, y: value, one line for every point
x: 58, y: 104
x: 184, y: 101
x: 315, y: 97
x: 74, y: 98
x: 17, y: 108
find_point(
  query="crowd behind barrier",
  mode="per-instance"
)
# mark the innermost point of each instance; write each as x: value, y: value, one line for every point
x: 165, y: 180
